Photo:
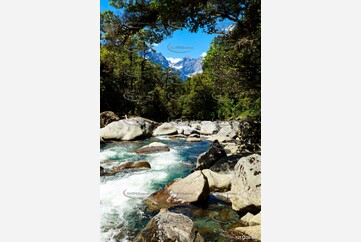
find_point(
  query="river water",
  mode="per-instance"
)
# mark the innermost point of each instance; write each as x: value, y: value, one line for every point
x: 123, y: 213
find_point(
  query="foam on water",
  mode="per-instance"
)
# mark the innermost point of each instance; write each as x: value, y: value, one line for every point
x: 117, y: 152
x: 163, y: 137
x: 124, y: 193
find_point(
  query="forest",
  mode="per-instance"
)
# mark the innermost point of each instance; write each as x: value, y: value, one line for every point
x: 229, y: 86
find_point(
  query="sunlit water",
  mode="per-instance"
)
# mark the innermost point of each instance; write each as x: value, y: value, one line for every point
x: 123, y: 213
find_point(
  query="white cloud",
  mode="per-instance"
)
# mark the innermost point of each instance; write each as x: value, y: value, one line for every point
x: 204, y: 54
x: 155, y: 45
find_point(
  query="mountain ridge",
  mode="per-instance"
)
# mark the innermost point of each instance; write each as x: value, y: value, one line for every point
x: 186, y: 67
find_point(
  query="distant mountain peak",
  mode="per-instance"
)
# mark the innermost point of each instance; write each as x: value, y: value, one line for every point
x: 173, y: 61
x: 186, y: 67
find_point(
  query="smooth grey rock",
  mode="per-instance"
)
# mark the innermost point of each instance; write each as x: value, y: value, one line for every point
x: 165, y: 129
x: 192, y: 189
x: 217, y: 181
x: 246, y: 184
x: 127, y: 129
x: 226, y: 164
x: 208, y: 127
x: 208, y: 158
x: 227, y: 132
x: 169, y: 226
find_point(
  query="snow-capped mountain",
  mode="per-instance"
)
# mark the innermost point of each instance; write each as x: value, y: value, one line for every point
x: 189, y: 66
x: 186, y: 67
x: 158, y: 58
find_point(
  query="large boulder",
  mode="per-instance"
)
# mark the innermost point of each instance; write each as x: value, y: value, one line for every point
x: 165, y: 129
x: 154, y: 147
x: 218, y: 182
x: 169, y: 226
x: 227, y: 131
x: 192, y: 189
x: 107, y: 117
x: 208, y: 158
x: 208, y: 127
x: 226, y: 164
x: 250, y: 135
x: 127, y: 129
x: 246, y: 184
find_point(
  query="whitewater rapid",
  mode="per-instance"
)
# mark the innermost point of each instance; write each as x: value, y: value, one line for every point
x: 122, y: 195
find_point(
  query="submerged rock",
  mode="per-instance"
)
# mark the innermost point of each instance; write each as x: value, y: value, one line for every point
x: 212, y: 222
x: 107, y: 117
x: 127, y: 129
x: 154, y: 147
x: 165, y: 129
x: 246, y: 184
x: 208, y: 158
x: 192, y: 189
x: 127, y: 165
x: 169, y: 226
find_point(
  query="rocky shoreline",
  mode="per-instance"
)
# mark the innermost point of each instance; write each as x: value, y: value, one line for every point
x: 230, y: 171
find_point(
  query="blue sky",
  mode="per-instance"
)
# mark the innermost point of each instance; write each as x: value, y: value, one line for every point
x: 181, y: 44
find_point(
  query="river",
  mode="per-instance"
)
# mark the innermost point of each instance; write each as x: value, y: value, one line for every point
x: 123, y: 213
